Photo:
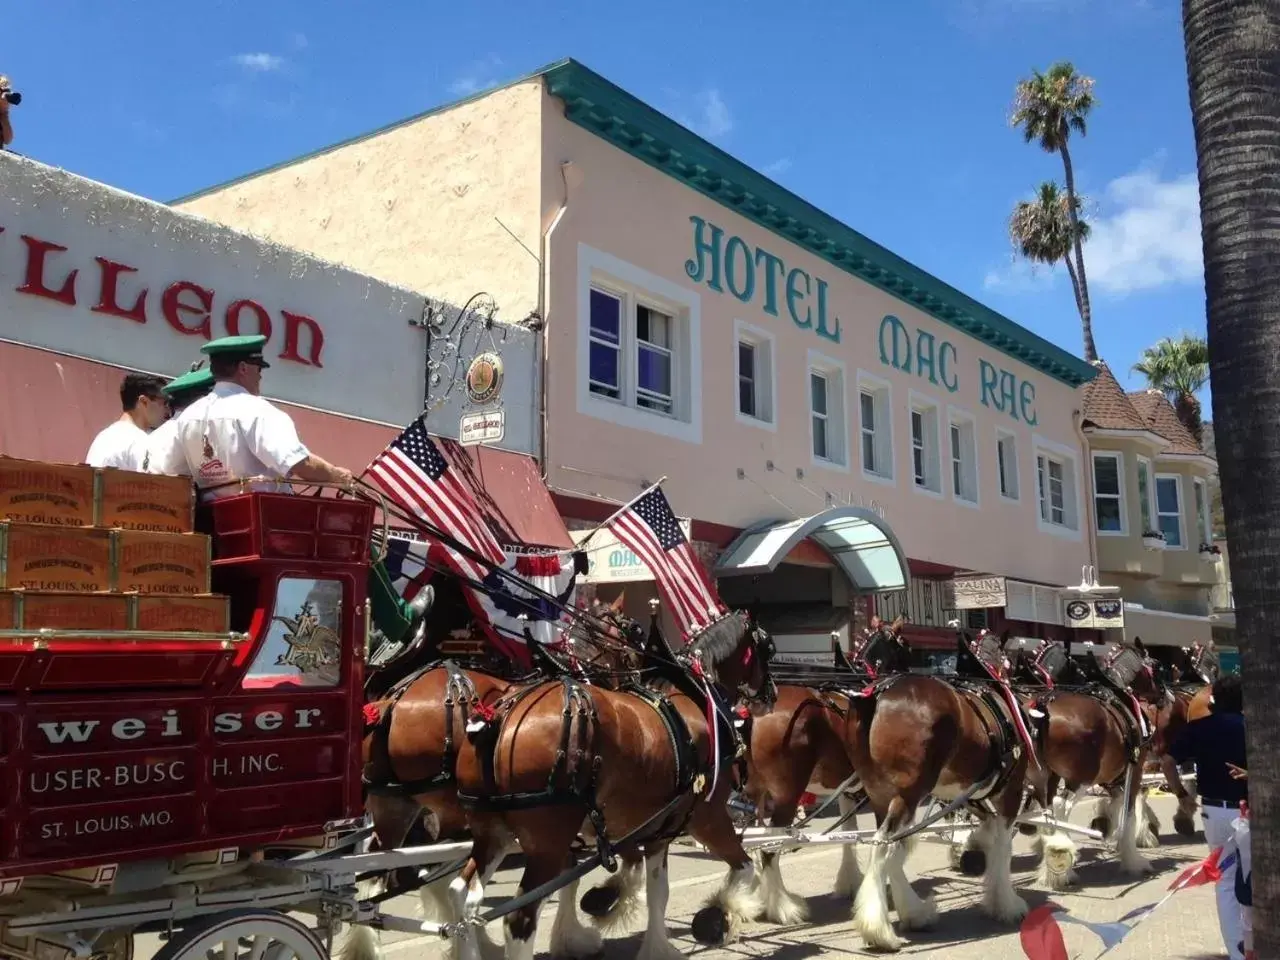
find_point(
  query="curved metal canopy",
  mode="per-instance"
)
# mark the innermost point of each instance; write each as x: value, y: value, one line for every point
x: 858, y: 540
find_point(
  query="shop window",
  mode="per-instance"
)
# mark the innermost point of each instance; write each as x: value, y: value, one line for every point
x: 1108, y: 494
x: 925, y: 464
x: 962, y: 454
x: 754, y: 359
x: 1169, y: 510
x: 826, y: 411
x: 1007, y: 464
x: 875, y: 427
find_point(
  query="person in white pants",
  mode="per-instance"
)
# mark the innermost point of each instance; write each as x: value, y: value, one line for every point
x: 1215, y: 744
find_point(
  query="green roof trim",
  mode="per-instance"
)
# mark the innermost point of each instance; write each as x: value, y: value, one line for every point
x: 609, y: 112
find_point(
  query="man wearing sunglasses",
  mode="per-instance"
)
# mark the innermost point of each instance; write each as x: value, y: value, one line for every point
x: 234, y: 433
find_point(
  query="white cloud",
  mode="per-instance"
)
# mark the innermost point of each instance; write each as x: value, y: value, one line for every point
x: 480, y: 75
x: 259, y: 62
x: 778, y: 167
x: 1146, y: 234
x: 705, y: 112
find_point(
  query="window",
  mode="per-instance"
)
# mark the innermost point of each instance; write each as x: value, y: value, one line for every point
x: 755, y: 367
x: 1052, y: 478
x: 1058, y: 483
x: 875, y: 427
x: 1007, y: 464
x: 925, y: 466
x: 1108, y: 493
x: 826, y: 411
x: 1145, y: 503
x: 1202, y: 511
x: 639, y: 348
x: 962, y: 451
x: 1169, y: 509
x: 303, y: 646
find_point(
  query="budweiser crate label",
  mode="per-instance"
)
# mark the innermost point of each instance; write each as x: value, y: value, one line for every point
x: 54, y: 493
x: 142, y: 501
x: 174, y: 564
x: 36, y: 557
x: 72, y: 611
x: 183, y: 614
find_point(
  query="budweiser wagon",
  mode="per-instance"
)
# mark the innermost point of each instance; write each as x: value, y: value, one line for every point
x: 180, y: 717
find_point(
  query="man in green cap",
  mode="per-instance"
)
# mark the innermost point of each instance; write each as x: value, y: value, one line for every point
x: 180, y: 392
x: 233, y: 433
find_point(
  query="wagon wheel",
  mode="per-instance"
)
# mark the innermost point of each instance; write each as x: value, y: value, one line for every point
x: 244, y: 935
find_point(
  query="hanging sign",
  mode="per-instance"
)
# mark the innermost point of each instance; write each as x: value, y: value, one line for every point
x: 477, y: 428
x: 1093, y: 614
x: 979, y: 593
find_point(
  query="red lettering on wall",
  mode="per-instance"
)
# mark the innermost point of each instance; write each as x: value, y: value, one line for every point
x: 293, y: 322
x: 37, y: 252
x: 172, y: 307
x: 233, y: 319
x: 107, y: 302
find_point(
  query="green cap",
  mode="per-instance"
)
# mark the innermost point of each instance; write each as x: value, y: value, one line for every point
x: 188, y: 382
x: 246, y: 349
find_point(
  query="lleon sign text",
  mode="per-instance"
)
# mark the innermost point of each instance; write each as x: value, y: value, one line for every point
x: 749, y: 273
x: 921, y: 354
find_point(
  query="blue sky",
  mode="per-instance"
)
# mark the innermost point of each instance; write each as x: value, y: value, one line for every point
x: 891, y: 116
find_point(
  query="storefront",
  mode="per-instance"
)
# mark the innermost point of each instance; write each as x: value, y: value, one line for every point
x: 785, y: 373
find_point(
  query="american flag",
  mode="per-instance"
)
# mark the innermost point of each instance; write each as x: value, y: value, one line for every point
x: 414, y: 473
x: 650, y: 529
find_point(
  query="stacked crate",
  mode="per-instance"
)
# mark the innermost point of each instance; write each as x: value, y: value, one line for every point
x: 102, y: 550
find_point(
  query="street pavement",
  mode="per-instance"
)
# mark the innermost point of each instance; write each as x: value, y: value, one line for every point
x: 1185, y: 928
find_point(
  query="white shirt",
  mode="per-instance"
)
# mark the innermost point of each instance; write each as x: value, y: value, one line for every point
x: 226, y: 435
x: 159, y: 439
x: 123, y: 445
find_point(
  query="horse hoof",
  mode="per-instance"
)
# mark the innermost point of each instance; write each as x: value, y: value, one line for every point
x: 1101, y: 824
x: 1027, y: 830
x: 598, y: 902
x: 710, y: 926
x: 1184, y: 825
x: 973, y: 863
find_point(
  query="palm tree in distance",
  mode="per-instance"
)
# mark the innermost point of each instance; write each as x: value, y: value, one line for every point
x: 1048, y: 107
x: 1041, y: 231
x: 1179, y: 368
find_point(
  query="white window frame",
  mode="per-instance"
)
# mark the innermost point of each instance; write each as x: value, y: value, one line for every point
x: 1182, y: 511
x: 1200, y: 489
x: 1120, y: 497
x: 967, y: 425
x: 837, y: 404
x: 932, y: 459
x: 1073, y: 487
x: 1011, y: 469
x: 881, y: 391
x: 619, y: 278
x: 766, y: 375
x: 1154, y: 524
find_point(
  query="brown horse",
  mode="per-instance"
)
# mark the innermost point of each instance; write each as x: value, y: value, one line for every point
x: 1185, y: 704
x: 637, y: 764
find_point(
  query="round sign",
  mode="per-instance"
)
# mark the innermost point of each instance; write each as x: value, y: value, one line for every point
x: 1077, y: 610
x: 484, y: 378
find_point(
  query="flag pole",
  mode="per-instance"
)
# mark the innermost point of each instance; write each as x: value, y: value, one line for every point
x: 621, y: 510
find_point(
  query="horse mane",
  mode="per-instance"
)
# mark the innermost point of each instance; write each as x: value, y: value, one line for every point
x: 721, y: 640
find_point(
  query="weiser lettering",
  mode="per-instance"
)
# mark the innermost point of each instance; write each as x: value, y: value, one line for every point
x: 727, y: 262
x: 115, y: 290
x: 169, y: 725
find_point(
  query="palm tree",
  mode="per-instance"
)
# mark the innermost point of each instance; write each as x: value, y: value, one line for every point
x: 1041, y: 231
x: 1235, y: 103
x: 1049, y: 107
x: 1179, y: 369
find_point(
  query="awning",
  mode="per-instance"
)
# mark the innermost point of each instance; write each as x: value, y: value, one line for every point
x: 858, y: 540
x: 509, y: 489
x: 1160, y: 628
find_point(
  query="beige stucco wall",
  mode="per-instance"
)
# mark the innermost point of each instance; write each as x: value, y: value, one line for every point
x: 627, y: 210
x: 418, y: 204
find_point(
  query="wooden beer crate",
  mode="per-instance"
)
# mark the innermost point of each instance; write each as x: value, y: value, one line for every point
x: 8, y: 611
x: 174, y: 564
x: 190, y: 614
x: 66, y: 559
x: 144, y: 501
x: 36, y: 610
x: 53, y: 493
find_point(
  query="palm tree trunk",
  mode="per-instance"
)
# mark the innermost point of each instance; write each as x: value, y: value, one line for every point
x: 1235, y: 107
x: 1082, y: 282
x: 1188, y: 409
x: 1075, y: 282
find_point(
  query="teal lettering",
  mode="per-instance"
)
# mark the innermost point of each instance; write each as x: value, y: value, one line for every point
x: 952, y: 383
x: 989, y: 377
x: 794, y: 294
x: 770, y: 279
x: 823, y: 329
x: 1027, y: 402
x: 1007, y: 388
x: 696, y: 267
x: 901, y: 342
x: 925, y: 343
x: 748, y: 291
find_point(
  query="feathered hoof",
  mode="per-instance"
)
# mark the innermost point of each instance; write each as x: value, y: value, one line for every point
x: 599, y: 901
x: 1102, y: 825
x: 1007, y: 909
x: 1184, y: 824
x: 785, y: 908
x: 923, y: 917
x: 711, y: 926
x: 973, y: 863
x: 1027, y: 829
